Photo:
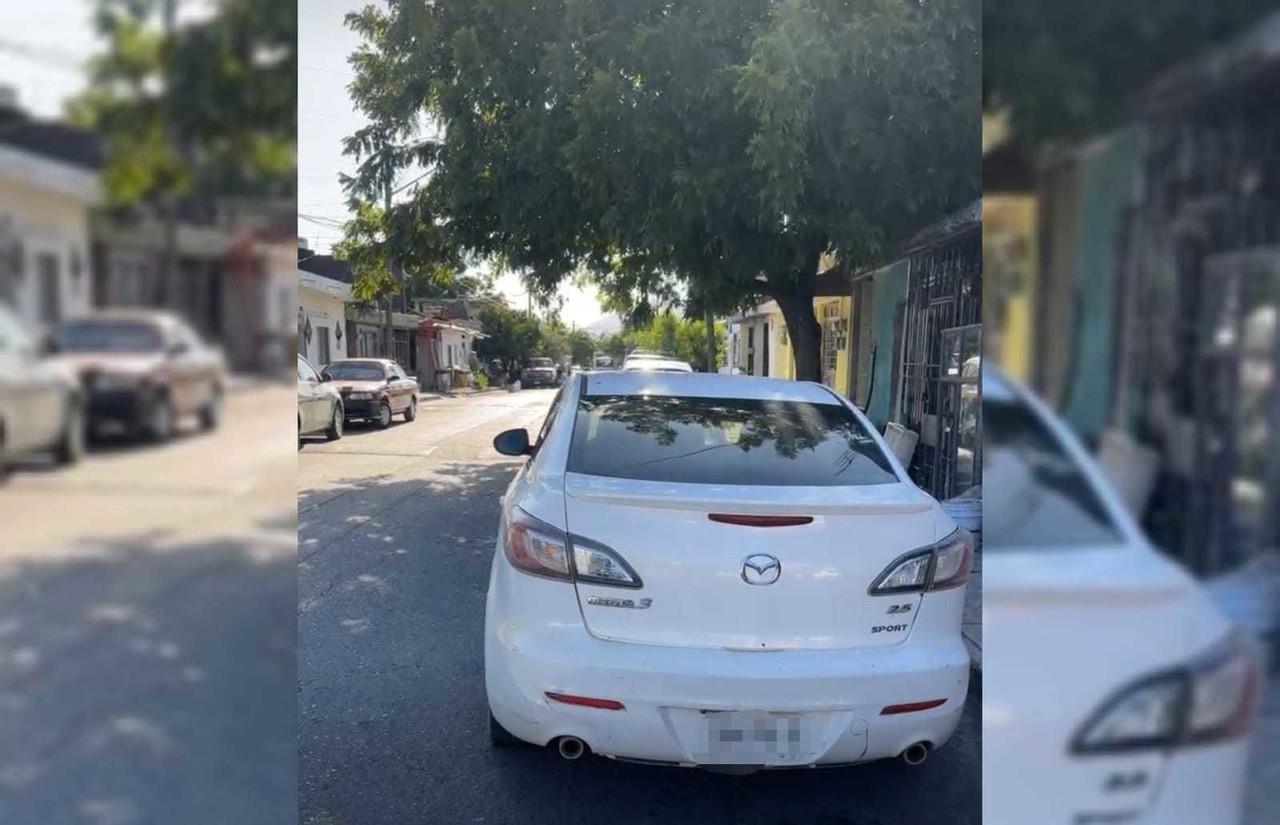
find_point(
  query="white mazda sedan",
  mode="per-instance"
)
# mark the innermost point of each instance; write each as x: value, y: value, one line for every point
x: 710, y: 570
x: 1115, y: 691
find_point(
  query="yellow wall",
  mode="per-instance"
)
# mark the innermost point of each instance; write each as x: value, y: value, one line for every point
x: 784, y: 362
x: 1009, y: 279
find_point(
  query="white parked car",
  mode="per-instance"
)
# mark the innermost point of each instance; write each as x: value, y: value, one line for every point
x: 1114, y: 690
x: 706, y: 570
x: 656, y: 363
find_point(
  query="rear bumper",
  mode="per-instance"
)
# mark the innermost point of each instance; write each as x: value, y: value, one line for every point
x: 663, y: 690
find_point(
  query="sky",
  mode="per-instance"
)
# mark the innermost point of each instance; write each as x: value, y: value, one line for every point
x: 44, y: 45
x: 326, y: 116
x: 42, y: 50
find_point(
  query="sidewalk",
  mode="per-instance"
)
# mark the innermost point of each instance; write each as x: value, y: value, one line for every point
x: 430, y: 395
x: 971, y: 621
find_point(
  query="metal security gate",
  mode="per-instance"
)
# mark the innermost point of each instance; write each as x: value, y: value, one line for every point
x: 1200, y: 366
x: 944, y: 292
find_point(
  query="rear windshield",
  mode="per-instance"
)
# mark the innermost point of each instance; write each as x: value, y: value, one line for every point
x: 356, y: 371
x: 540, y: 362
x: 1044, y: 499
x: 101, y: 335
x: 724, y: 441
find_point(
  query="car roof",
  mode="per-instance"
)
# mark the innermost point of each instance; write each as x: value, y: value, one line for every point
x: 383, y: 361
x: 705, y: 385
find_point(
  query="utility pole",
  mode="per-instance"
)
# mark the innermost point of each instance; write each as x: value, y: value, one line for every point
x: 393, y: 265
x: 168, y: 200
x: 710, y: 320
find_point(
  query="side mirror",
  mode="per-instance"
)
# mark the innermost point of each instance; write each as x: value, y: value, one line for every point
x: 513, y: 442
x: 178, y: 348
x: 324, y: 378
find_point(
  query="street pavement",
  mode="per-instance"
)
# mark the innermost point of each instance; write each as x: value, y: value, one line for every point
x: 147, y: 629
x: 396, y: 535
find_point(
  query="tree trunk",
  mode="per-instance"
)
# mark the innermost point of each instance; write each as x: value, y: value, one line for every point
x: 710, y: 320
x: 805, y: 334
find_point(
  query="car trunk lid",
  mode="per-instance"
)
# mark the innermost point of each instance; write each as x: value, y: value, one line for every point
x: 699, y: 591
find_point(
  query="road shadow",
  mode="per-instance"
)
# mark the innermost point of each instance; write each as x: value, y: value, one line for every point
x: 392, y: 709
x: 142, y: 683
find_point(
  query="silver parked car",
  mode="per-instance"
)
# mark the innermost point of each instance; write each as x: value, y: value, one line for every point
x: 319, y: 405
x: 41, y: 403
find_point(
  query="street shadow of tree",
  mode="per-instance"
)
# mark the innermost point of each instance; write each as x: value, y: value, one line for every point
x: 393, y: 715
x: 142, y: 683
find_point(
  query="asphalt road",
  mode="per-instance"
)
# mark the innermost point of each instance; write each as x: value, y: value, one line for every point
x: 396, y: 532
x: 147, y: 629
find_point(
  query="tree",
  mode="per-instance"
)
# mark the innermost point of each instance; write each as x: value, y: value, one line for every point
x: 192, y: 113
x: 581, y: 347
x: 724, y: 147
x: 512, y: 337
x: 1067, y: 70
x: 396, y: 245
x: 682, y: 338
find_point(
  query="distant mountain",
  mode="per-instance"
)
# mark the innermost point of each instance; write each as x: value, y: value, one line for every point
x: 605, y: 326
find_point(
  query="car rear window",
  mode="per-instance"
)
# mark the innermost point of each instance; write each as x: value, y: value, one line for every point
x: 101, y: 335
x: 356, y: 371
x: 724, y: 441
x: 1044, y: 499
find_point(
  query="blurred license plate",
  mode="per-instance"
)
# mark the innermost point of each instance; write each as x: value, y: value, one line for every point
x: 754, y: 737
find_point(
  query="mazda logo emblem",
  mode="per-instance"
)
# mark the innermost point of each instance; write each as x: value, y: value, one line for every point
x: 760, y: 569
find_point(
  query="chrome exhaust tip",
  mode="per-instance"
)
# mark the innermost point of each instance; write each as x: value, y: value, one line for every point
x: 570, y: 747
x: 916, y: 754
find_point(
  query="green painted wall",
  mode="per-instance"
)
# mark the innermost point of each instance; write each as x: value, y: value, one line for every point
x: 890, y: 289
x: 1107, y: 171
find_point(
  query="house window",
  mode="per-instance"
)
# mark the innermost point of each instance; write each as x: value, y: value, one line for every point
x: 49, y: 282
x: 322, y: 343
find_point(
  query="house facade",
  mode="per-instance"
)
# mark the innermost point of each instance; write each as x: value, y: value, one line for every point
x: 322, y: 318
x: 49, y: 182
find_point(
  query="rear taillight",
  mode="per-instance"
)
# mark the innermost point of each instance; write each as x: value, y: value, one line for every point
x: 1210, y: 700
x: 539, y: 549
x: 939, y: 566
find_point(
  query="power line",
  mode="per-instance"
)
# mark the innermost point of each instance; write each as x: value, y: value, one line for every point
x: 43, y: 54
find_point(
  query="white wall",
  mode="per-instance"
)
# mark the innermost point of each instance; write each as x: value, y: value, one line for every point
x: 326, y: 312
x: 52, y: 225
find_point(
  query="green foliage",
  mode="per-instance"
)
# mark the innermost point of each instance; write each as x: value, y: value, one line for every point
x: 668, y: 333
x: 513, y: 337
x: 1067, y: 70
x: 208, y: 110
x: 713, y: 150
x: 581, y: 347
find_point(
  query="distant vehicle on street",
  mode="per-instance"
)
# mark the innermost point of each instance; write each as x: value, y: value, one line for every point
x: 656, y: 363
x: 41, y: 402
x: 319, y: 405
x: 786, y: 528
x: 540, y: 372
x: 373, y: 389
x: 1122, y: 689
x: 600, y: 361
x: 143, y: 370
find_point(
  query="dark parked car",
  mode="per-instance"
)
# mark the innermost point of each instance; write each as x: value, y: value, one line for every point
x: 41, y: 404
x: 143, y: 370
x: 540, y: 372
x: 373, y: 389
